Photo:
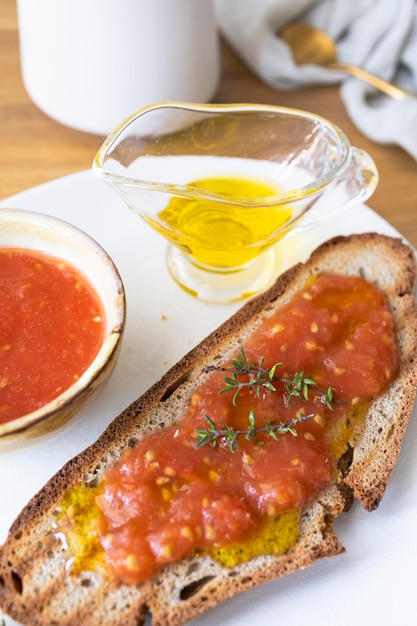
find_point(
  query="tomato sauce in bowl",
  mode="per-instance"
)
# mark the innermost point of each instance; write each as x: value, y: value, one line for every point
x: 52, y: 325
x: 62, y: 320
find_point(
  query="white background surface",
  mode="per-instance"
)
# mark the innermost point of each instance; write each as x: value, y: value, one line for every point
x: 374, y: 583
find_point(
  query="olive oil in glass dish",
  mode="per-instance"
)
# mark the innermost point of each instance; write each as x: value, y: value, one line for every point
x: 223, y: 184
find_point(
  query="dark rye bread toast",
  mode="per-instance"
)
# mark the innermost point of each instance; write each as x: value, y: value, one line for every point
x: 34, y: 585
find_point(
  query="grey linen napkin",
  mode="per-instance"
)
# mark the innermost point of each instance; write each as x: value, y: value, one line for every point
x: 377, y: 35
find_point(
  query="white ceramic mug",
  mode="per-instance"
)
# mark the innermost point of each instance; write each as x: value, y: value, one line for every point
x: 90, y: 63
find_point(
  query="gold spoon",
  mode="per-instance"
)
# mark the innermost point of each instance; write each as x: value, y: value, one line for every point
x: 309, y: 44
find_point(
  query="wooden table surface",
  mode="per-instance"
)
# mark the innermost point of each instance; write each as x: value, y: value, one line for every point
x: 36, y: 149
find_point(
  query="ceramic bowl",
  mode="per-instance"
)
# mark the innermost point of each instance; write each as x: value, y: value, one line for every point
x: 55, y: 237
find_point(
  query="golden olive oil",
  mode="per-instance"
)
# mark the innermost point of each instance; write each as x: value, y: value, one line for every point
x: 274, y: 536
x: 224, y: 235
x: 346, y: 431
x: 79, y: 518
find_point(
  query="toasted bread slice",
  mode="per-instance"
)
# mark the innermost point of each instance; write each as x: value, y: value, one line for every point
x: 35, y: 587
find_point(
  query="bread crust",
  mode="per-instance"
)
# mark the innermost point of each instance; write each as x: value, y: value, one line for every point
x: 34, y: 586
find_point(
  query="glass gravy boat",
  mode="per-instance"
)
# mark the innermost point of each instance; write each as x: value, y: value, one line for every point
x: 224, y: 183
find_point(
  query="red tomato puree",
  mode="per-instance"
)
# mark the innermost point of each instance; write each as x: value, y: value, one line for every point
x: 166, y: 498
x: 51, y: 328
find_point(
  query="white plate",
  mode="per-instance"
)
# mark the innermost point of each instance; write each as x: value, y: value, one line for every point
x: 374, y: 582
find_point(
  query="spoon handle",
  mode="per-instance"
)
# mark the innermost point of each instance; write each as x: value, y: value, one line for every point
x: 375, y: 81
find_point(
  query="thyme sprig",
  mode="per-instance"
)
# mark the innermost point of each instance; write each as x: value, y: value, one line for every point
x: 259, y: 377
x: 212, y: 435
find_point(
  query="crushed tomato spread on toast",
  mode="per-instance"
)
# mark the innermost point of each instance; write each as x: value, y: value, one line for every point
x: 166, y: 498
